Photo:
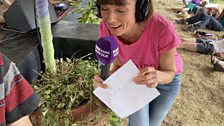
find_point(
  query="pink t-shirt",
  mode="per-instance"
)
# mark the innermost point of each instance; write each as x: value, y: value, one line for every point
x: 158, y: 37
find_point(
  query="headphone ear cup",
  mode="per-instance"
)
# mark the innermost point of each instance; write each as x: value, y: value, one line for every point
x: 138, y: 15
x: 141, y: 10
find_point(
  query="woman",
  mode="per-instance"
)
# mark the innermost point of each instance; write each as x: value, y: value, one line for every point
x: 150, y: 41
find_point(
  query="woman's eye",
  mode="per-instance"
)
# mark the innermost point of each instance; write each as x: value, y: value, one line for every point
x: 104, y: 9
x: 120, y: 11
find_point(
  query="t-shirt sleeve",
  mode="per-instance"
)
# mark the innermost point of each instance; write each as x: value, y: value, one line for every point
x: 168, y: 39
x: 103, y: 30
x: 20, y: 98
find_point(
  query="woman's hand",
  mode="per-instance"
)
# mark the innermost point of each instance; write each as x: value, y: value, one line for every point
x: 98, y: 82
x: 147, y: 76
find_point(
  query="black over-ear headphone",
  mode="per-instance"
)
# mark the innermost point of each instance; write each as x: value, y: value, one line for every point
x: 142, y: 10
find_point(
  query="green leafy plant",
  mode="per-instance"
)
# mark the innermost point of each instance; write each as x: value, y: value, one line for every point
x: 87, y: 10
x: 68, y: 88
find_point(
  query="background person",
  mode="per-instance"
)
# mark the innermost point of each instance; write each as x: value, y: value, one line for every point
x: 204, y: 46
x: 17, y: 98
x: 203, y: 20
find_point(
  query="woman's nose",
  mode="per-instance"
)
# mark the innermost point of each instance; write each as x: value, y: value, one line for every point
x: 111, y: 17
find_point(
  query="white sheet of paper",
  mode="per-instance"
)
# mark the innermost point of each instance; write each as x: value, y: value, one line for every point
x: 123, y: 96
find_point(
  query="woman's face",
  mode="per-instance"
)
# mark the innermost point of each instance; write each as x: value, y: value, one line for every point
x: 119, y: 19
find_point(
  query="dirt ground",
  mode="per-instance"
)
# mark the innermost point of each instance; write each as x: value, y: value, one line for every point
x: 201, y: 99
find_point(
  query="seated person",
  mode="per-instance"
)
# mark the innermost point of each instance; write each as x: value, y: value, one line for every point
x: 17, y: 98
x: 202, y: 20
x: 192, y: 8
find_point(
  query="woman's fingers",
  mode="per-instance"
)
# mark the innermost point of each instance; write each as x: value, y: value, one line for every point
x: 98, y: 82
x: 145, y: 79
x: 147, y: 76
x: 152, y: 85
x: 146, y: 70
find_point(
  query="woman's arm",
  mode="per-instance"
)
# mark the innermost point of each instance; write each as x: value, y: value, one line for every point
x: 167, y: 69
x: 164, y: 75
